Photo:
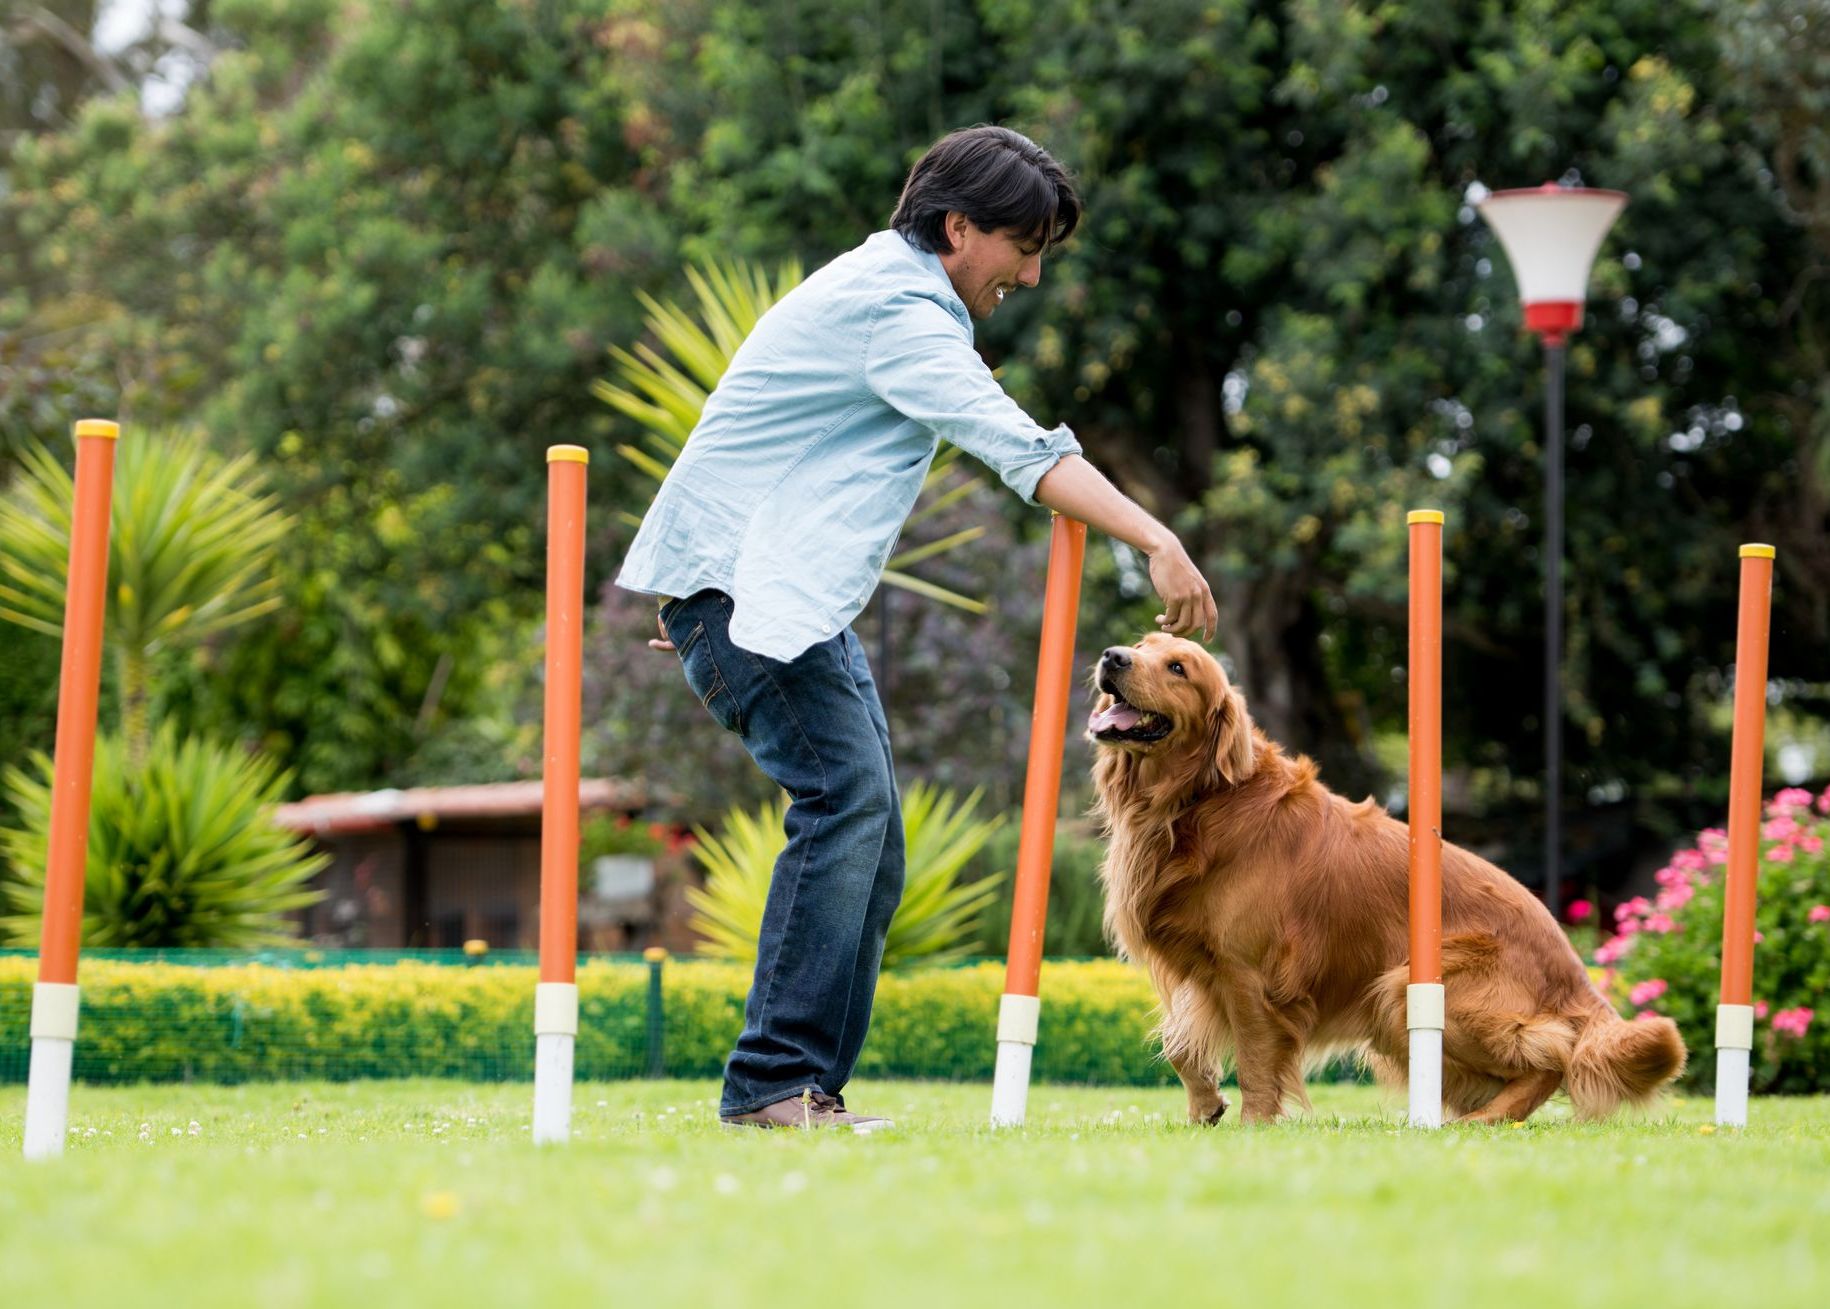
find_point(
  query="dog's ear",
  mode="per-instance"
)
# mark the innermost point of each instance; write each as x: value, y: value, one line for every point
x: 1230, y: 739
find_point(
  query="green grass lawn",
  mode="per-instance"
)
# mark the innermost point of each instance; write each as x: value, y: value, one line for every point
x: 428, y: 1193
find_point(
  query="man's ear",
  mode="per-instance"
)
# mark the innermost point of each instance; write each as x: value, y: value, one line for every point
x: 1230, y: 739
x: 955, y: 225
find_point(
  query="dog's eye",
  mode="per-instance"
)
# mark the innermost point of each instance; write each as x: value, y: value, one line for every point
x: 1176, y: 668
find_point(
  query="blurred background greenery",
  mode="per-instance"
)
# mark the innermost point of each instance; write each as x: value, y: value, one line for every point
x: 388, y: 249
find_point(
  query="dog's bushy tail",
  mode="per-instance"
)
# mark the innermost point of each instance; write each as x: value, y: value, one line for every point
x: 1616, y: 1062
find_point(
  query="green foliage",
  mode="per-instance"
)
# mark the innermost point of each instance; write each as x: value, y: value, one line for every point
x: 390, y: 244
x: 1668, y: 952
x: 190, y: 538
x: 391, y: 241
x: 162, y: 1022
x: 1076, y: 900
x: 183, y: 850
x: 937, y: 919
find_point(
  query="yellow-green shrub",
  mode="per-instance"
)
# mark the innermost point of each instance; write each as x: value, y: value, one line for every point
x: 250, y: 1022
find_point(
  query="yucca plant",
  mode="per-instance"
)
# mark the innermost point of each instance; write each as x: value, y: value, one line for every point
x: 190, y: 538
x: 667, y: 394
x: 183, y: 849
x: 938, y: 918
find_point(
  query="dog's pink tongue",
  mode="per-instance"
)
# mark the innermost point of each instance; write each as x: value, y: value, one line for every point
x: 1121, y: 717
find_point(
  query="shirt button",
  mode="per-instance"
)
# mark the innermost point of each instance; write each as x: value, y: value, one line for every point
x: 826, y: 627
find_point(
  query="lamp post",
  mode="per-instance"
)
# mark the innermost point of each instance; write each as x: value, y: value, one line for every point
x: 1550, y: 234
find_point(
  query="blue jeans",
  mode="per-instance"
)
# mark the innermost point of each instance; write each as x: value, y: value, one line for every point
x: 815, y: 726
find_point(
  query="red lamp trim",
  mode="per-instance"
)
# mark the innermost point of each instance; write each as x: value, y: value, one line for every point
x: 1553, y: 320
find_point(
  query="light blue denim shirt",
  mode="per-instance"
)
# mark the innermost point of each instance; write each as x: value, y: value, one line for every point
x: 812, y: 449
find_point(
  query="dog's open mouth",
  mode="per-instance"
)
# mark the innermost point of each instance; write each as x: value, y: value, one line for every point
x: 1126, y: 722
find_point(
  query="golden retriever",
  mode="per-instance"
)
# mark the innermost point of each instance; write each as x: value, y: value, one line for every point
x: 1272, y: 916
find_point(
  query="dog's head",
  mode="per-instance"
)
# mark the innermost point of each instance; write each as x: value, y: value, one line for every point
x: 1168, y: 697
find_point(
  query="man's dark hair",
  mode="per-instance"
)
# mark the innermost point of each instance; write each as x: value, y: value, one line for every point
x: 997, y: 178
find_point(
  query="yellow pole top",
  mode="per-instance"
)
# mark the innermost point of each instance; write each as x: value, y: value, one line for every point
x: 1423, y: 516
x: 569, y: 454
x: 101, y: 427
x: 1757, y: 552
x: 654, y: 954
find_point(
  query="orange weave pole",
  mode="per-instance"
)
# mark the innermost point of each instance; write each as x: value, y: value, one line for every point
x: 1744, y: 774
x: 565, y: 598
x: 79, y: 684
x: 1047, y: 737
x: 1425, y: 804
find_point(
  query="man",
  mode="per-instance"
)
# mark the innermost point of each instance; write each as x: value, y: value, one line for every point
x: 769, y: 536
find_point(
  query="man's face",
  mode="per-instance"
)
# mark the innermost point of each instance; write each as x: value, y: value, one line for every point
x: 986, y: 266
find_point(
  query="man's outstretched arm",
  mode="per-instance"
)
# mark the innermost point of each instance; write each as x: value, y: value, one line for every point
x: 1076, y: 488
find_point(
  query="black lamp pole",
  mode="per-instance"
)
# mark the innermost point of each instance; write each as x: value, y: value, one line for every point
x: 1554, y: 350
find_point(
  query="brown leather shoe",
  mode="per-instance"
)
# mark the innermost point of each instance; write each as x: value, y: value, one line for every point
x: 809, y: 1109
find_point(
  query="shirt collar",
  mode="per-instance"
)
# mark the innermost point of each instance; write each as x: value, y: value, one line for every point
x: 897, y: 244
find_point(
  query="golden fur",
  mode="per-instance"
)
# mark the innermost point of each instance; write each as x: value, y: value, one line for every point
x: 1272, y: 917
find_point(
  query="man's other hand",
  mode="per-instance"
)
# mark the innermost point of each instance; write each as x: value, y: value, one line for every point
x: 663, y: 643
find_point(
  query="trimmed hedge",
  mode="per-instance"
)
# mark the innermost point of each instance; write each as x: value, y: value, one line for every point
x: 162, y: 1022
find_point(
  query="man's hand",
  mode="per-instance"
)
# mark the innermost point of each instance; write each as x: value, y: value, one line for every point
x: 1188, y: 604
x: 663, y: 643
x: 1076, y: 488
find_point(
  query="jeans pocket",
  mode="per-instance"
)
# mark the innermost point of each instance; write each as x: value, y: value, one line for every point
x: 703, y: 676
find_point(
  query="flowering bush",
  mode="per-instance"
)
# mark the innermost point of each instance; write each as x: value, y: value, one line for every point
x: 617, y: 834
x: 1665, y: 956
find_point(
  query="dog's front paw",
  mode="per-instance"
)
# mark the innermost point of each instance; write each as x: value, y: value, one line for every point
x: 1209, y: 1117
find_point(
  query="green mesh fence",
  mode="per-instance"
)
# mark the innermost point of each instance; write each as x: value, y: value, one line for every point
x: 215, y: 1016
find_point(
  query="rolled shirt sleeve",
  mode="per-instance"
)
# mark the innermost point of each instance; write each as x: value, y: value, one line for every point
x: 919, y: 360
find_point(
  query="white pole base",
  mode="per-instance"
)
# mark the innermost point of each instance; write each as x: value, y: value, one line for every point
x: 47, y: 1096
x: 1731, y: 1088
x: 1018, y: 1017
x: 1426, y: 1077
x: 1734, y: 1039
x: 1010, y: 1084
x: 1424, y: 1016
x: 552, y: 1088
x: 555, y: 1031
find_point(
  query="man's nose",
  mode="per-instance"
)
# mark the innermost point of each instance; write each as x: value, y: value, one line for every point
x: 1031, y: 272
x: 1116, y: 657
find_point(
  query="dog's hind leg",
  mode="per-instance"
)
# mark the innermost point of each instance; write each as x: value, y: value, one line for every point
x: 1518, y: 1098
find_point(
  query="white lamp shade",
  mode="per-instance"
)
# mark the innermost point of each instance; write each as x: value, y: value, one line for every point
x: 1550, y: 234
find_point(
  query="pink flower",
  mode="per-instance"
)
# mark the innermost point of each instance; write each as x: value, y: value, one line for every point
x: 1579, y: 911
x: 1645, y: 1016
x: 1648, y: 991
x: 1631, y: 909
x: 1792, y: 1022
x: 1812, y: 844
x: 1823, y: 801
x: 1780, y: 829
x: 1676, y: 897
x: 1820, y: 913
x: 1690, y: 861
x: 1760, y: 1008
x: 1759, y: 937
x: 1713, y: 842
x: 1612, y: 949
x: 1791, y: 799
x: 1662, y: 924
x: 1780, y: 854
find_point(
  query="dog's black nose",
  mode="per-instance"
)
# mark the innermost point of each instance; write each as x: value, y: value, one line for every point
x: 1116, y: 656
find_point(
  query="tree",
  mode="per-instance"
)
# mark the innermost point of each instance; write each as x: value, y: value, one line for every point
x: 1281, y: 324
